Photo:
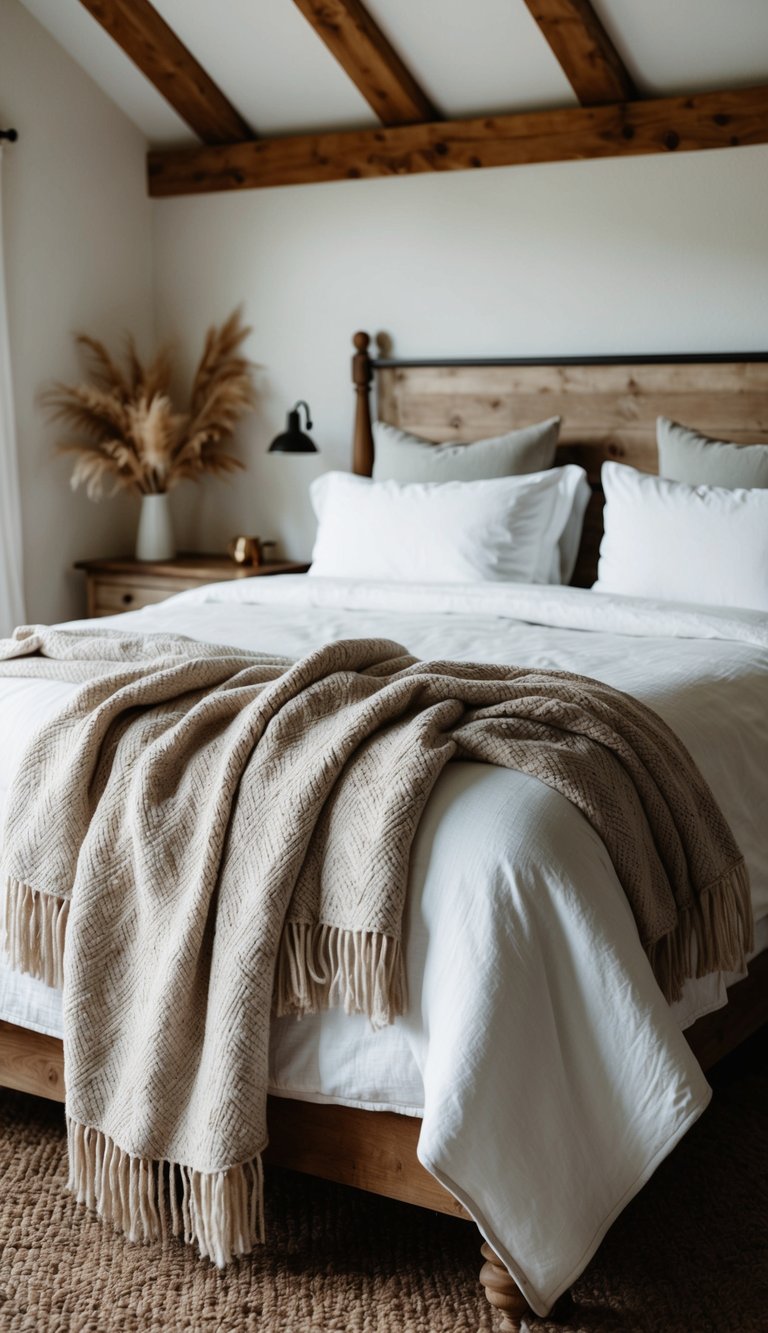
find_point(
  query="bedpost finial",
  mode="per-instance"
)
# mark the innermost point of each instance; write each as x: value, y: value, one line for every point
x: 361, y: 341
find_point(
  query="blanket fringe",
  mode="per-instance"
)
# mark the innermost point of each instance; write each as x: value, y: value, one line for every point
x: 319, y: 966
x: 35, y: 926
x: 715, y: 934
x: 222, y: 1212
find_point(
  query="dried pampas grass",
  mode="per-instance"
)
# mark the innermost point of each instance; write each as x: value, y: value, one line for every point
x: 124, y: 432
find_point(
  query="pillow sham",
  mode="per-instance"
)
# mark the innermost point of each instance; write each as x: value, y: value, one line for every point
x: 680, y: 543
x: 400, y: 456
x: 685, y: 455
x: 506, y: 529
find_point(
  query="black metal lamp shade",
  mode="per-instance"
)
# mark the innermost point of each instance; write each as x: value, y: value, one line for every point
x: 293, y: 439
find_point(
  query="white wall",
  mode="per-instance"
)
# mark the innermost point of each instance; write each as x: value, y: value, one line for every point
x: 652, y: 254
x: 78, y: 255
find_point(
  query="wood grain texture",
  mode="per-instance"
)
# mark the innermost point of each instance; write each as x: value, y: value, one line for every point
x: 584, y: 50
x: 369, y: 60
x: 31, y: 1062
x: 155, y: 49
x: 372, y: 1150
x: 608, y: 411
x: 663, y: 125
x: 185, y: 568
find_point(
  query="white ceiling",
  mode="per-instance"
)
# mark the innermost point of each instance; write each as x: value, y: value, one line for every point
x: 680, y: 46
x: 476, y: 57
x: 470, y: 58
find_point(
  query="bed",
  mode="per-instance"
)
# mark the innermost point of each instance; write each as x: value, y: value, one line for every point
x: 402, y: 1119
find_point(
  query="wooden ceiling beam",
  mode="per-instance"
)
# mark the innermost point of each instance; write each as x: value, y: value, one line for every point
x: 369, y: 60
x: 661, y: 125
x: 586, y: 53
x: 155, y: 49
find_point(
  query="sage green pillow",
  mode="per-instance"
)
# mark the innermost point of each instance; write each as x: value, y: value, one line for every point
x: 399, y: 456
x: 684, y: 455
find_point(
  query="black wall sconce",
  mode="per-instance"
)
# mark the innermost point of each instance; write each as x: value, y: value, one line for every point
x: 293, y: 439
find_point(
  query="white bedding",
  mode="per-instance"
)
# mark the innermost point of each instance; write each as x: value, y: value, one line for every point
x: 551, y: 1075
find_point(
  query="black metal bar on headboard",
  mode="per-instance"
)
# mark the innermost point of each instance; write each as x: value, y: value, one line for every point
x: 644, y: 359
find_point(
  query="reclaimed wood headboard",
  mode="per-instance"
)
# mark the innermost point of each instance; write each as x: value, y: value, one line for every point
x: 608, y: 407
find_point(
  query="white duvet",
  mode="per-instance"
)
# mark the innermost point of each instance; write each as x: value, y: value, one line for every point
x: 551, y: 1075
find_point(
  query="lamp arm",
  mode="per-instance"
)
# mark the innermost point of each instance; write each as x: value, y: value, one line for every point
x: 296, y: 407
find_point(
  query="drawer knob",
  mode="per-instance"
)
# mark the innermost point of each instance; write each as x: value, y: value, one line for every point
x: 127, y: 598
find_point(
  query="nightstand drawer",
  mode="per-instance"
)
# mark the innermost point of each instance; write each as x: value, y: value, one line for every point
x: 109, y: 598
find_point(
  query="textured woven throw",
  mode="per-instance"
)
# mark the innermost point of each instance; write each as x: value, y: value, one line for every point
x: 223, y: 834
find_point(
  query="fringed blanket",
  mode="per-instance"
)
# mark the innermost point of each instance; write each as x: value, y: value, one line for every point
x: 223, y: 834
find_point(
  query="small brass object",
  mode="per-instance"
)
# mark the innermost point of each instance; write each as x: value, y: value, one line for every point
x: 248, y: 550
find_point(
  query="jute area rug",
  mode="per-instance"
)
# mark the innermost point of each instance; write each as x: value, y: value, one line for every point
x: 690, y: 1254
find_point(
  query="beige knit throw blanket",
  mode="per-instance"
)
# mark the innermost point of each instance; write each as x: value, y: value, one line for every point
x: 225, y: 833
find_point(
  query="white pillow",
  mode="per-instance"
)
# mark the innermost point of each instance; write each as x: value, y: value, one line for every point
x: 506, y: 529
x: 682, y: 543
x: 405, y: 458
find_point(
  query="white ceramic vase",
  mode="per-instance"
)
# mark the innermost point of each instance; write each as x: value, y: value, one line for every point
x: 154, y: 539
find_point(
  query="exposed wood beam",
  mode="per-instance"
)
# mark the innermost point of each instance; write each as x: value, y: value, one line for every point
x: 589, y: 59
x: 663, y: 125
x: 154, y: 47
x: 366, y: 56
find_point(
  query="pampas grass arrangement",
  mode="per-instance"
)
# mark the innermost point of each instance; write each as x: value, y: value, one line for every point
x: 124, y: 431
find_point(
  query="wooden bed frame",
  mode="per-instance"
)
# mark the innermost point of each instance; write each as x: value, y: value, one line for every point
x: 608, y: 407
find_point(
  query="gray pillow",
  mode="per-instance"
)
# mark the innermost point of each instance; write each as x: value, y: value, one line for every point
x: 684, y: 455
x: 405, y: 458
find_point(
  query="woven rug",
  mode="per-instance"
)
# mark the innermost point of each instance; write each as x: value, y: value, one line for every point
x: 689, y: 1255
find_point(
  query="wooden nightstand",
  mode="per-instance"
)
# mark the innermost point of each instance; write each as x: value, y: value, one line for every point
x: 126, y: 585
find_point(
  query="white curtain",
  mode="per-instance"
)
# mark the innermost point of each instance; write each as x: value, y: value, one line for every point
x: 11, y: 591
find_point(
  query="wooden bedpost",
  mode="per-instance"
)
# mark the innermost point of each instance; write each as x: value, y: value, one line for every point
x: 362, y: 374
x: 502, y: 1292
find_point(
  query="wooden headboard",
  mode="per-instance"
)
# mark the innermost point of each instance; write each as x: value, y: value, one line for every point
x: 608, y: 406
